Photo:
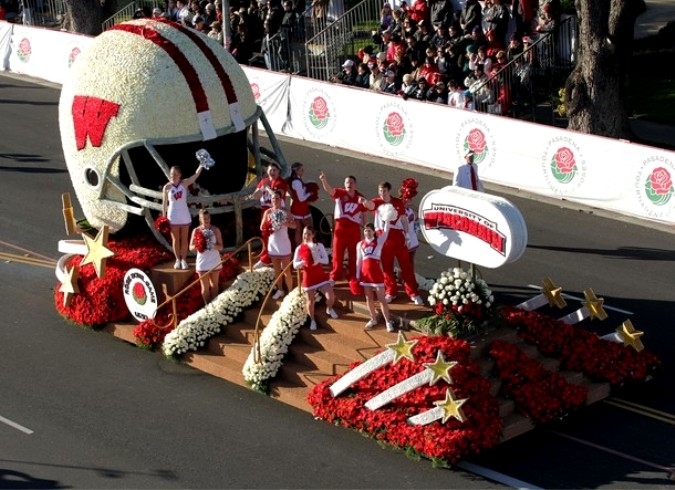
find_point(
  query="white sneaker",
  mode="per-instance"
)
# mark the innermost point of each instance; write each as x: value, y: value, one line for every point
x: 370, y: 324
x: 279, y: 294
x: 312, y: 326
x: 389, y: 298
x: 260, y: 264
x: 331, y: 313
x: 177, y: 264
x: 417, y: 300
x: 183, y: 265
x: 390, y: 327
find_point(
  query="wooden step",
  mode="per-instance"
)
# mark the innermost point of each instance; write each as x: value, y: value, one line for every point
x: 291, y: 394
x: 515, y: 425
x: 238, y: 332
x: 175, y: 279
x: 223, y: 346
x: 215, y: 365
x: 123, y: 331
x: 319, y: 359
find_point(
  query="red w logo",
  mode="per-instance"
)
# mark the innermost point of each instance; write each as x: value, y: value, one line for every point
x: 178, y: 195
x: 91, y: 116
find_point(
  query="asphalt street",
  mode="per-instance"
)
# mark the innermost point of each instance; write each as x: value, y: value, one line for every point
x: 80, y: 409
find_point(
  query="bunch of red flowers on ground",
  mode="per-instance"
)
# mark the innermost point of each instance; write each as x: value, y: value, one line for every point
x: 450, y: 441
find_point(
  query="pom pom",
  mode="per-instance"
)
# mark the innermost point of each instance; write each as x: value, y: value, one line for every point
x: 387, y: 212
x: 354, y: 287
x: 163, y: 226
x: 305, y: 254
x: 200, y: 241
x: 313, y: 191
x: 408, y: 189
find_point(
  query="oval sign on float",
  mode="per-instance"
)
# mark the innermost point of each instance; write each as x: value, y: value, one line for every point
x: 139, y: 295
x: 472, y: 226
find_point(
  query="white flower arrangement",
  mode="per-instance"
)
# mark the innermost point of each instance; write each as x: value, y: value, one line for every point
x: 457, y: 288
x: 461, y: 304
x: 193, y: 332
x: 274, y: 341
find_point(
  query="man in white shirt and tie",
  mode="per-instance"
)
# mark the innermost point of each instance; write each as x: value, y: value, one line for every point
x: 467, y: 175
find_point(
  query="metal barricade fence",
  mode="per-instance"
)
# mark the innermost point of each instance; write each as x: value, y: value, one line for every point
x: 49, y: 13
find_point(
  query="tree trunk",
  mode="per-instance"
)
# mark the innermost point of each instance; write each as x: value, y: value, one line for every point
x: 84, y: 16
x: 596, y: 91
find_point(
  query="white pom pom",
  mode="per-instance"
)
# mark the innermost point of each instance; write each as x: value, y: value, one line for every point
x: 387, y: 212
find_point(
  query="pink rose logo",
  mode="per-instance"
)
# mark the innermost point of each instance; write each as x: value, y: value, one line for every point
x: 475, y: 141
x: 319, y: 115
x: 24, y: 50
x: 659, y: 186
x: 563, y: 165
x: 394, y: 129
x: 73, y: 56
x: 255, y: 88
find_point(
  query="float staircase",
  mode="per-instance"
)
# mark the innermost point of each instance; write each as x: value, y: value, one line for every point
x: 318, y: 355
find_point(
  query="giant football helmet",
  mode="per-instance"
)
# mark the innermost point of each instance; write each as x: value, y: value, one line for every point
x: 147, y: 95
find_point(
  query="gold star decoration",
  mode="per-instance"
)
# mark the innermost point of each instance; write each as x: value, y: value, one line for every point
x: 594, y: 305
x: 69, y: 285
x: 402, y: 348
x: 630, y: 336
x: 97, y: 252
x: 553, y: 294
x: 451, y: 407
x: 440, y: 369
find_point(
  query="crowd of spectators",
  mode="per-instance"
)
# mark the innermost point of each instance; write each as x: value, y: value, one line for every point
x: 431, y: 51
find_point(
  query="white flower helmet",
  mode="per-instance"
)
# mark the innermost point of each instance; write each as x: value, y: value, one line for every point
x: 147, y: 95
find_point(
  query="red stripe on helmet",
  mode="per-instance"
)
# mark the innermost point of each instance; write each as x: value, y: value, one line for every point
x: 210, y: 56
x: 186, y: 68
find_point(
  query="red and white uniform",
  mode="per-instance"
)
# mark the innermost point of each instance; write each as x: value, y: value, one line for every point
x: 368, y: 261
x: 313, y: 275
x: 268, y: 185
x: 395, y: 248
x: 348, y: 218
x: 299, y: 199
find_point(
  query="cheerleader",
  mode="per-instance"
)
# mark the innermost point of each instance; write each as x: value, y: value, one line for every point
x: 175, y: 209
x: 300, y: 199
x: 310, y: 257
x: 263, y: 191
x: 276, y: 222
x: 369, y: 273
x: 207, y: 241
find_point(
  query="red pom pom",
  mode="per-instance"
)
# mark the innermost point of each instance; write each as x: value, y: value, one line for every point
x: 354, y: 287
x: 200, y: 241
x: 305, y: 254
x: 313, y: 191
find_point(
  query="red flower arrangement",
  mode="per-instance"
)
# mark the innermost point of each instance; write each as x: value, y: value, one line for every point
x: 580, y: 350
x: 449, y: 441
x: 101, y: 301
x: 538, y: 393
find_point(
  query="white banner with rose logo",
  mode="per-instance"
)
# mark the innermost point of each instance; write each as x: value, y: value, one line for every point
x: 270, y: 90
x: 609, y: 174
x: 5, y: 38
x: 44, y: 53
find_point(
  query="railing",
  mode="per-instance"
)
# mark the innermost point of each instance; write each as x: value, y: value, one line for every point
x: 256, y: 334
x: 125, y: 13
x: 173, y: 316
x: 530, y: 76
x: 333, y: 43
x: 48, y: 13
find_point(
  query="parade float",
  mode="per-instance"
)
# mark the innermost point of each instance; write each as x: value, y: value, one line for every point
x: 148, y: 95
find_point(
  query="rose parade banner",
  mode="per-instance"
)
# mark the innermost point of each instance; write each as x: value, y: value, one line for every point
x: 270, y: 90
x: 5, y: 38
x: 44, y: 53
x: 609, y: 174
